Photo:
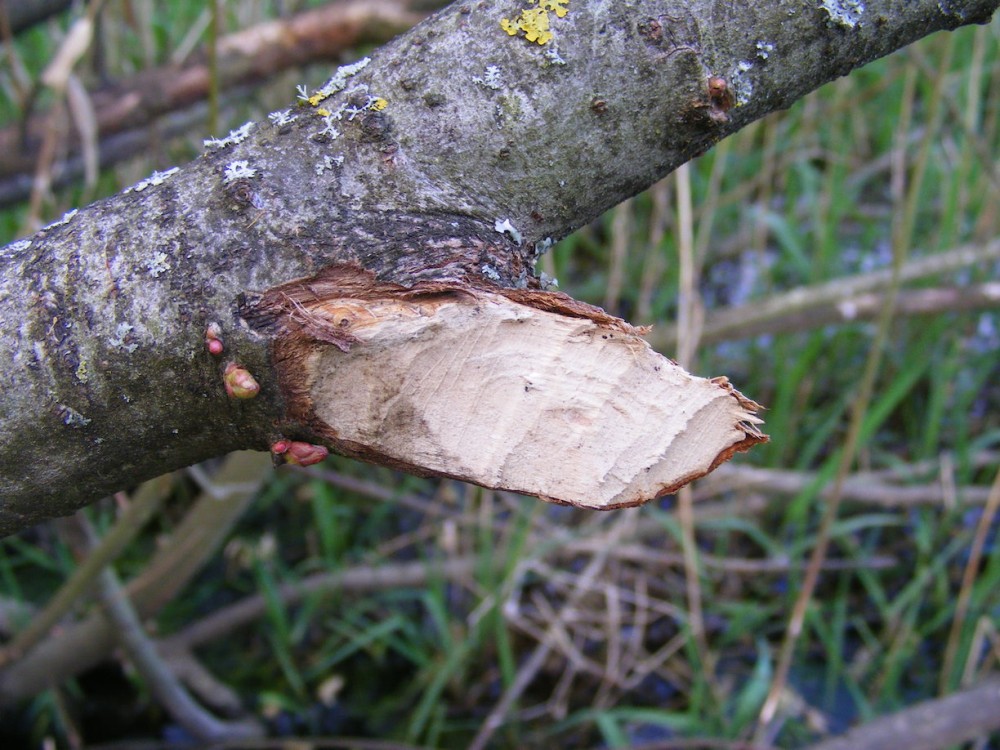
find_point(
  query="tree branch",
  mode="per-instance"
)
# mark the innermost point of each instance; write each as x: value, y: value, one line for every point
x: 24, y: 14
x: 453, y: 157
x: 162, y: 683
x: 82, y: 644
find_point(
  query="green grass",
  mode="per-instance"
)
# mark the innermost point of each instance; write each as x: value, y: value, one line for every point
x: 795, y: 200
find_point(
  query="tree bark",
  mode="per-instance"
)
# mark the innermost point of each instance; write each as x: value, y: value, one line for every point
x: 452, y: 157
x: 24, y: 14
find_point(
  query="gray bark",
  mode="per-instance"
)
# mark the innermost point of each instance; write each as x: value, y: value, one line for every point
x: 102, y: 317
x: 24, y: 14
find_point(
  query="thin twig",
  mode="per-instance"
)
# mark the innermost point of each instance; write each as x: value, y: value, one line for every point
x: 902, y: 236
x: 860, y: 487
x: 689, y: 322
x: 361, y: 578
x: 864, y: 307
x: 932, y: 725
x: 193, y: 543
x: 654, y: 260
x: 697, y: 743
x: 621, y: 231
x: 298, y: 743
x: 754, y: 317
x: 143, y: 655
x: 968, y: 579
x: 146, y: 503
x: 531, y: 666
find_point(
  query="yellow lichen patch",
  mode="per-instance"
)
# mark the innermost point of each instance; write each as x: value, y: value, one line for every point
x: 378, y: 104
x: 322, y: 112
x: 556, y: 6
x: 315, y: 99
x: 534, y: 22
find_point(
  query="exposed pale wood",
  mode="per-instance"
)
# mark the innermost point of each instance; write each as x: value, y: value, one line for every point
x: 524, y: 391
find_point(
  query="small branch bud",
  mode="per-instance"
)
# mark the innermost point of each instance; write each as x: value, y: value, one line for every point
x: 305, y: 454
x: 239, y: 382
x: 213, y: 339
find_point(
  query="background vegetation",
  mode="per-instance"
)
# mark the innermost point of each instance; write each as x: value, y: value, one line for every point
x: 837, y: 261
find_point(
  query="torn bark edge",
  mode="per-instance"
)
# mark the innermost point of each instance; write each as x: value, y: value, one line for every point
x: 286, y: 313
x: 286, y: 309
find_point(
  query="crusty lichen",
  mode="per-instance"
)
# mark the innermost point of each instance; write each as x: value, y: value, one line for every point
x: 238, y: 135
x: 157, y: 178
x: 66, y: 218
x: 14, y: 249
x: 238, y: 170
x: 492, y: 79
x: 846, y: 13
x: 282, y: 118
x: 741, y: 82
x: 335, y: 84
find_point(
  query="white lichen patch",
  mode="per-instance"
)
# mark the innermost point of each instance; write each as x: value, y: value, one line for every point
x: 339, y: 79
x: 543, y: 246
x: 505, y: 227
x: 845, y: 13
x: 238, y: 170
x: 238, y: 135
x: 764, y: 50
x: 337, y: 83
x: 157, y: 178
x: 958, y: 13
x: 329, y: 129
x: 741, y: 83
x: 491, y: 79
x: 71, y: 417
x: 158, y: 264
x: 332, y: 117
x: 547, y: 282
x: 372, y: 104
x: 66, y: 218
x: 490, y: 273
x: 119, y: 338
x: 552, y: 55
x: 282, y: 118
x: 14, y: 249
x: 328, y: 163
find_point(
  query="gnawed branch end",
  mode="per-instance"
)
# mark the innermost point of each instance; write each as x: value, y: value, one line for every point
x: 521, y: 390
